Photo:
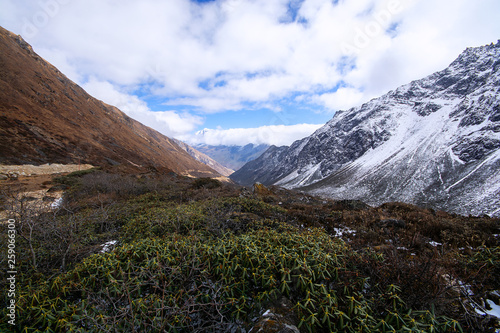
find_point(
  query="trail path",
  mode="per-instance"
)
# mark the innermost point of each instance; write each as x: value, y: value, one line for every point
x: 32, y: 184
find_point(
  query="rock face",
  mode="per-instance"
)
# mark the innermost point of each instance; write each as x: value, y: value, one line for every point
x: 47, y: 118
x: 433, y: 142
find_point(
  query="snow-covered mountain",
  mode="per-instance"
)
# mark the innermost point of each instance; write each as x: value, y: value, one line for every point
x: 433, y: 142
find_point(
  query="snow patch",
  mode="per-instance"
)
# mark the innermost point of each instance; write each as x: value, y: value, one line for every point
x: 482, y: 310
x: 339, y: 232
x: 492, y: 157
x: 267, y: 313
x: 108, y: 246
x: 57, y: 203
x: 300, y: 177
x: 454, y: 157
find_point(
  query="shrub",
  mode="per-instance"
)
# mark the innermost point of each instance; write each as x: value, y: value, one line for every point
x: 207, y: 183
x: 188, y: 283
x: 211, y: 217
x: 72, y: 178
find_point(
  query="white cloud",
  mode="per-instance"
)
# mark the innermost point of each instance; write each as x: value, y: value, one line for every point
x: 429, y: 36
x: 169, y: 123
x: 342, y: 99
x: 279, y: 135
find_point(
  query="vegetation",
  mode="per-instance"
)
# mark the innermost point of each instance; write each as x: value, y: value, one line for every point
x: 200, y: 256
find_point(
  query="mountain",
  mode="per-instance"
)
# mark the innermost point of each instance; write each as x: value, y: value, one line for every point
x: 47, y: 118
x: 199, y: 156
x: 433, y: 142
x: 233, y: 157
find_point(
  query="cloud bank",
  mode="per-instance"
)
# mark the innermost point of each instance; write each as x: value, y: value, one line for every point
x: 278, y: 135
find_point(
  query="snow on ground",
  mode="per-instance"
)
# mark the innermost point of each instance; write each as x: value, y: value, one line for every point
x: 495, y: 310
x: 108, y: 246
x: 481, y: 310
x: 297, y: 179
x: 339, y: 232
x: 57, y: 203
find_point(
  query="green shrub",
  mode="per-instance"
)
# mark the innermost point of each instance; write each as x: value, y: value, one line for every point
x: 188, y: 283
x: 163, y: 221
x: 72, y: 178
x: 484, y: 266
x: 193, y: 259
x: 207, y: 183
x: 214, y: 216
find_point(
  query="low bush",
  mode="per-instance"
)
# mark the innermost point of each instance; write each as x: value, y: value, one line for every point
x: 214, y: 217
x: 72, y: 178
x: 207, y: 183
x: 187, y: 283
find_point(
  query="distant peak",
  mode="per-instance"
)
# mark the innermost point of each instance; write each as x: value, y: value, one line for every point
x: 203, y: 131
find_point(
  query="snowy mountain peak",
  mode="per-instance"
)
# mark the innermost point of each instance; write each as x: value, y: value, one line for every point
x: 202, y: 132
x: 477, y: 55
x: 433, y: 142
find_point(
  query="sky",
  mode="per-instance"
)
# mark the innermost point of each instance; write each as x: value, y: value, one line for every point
x: 233, y: 72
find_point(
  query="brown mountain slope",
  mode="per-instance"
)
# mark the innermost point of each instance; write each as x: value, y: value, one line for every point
x: 47, y: 118
x: 205, y: 159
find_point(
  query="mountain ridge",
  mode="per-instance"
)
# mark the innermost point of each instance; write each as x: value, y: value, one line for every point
x: 432, y: 142
x: 205, y: 159
x: 47, y: 118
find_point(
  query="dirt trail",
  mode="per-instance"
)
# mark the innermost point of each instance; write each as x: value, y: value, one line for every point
x: 45, y: 169
x: 31, y: 184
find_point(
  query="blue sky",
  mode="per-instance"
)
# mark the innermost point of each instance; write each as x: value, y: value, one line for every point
x: 277, y: 69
